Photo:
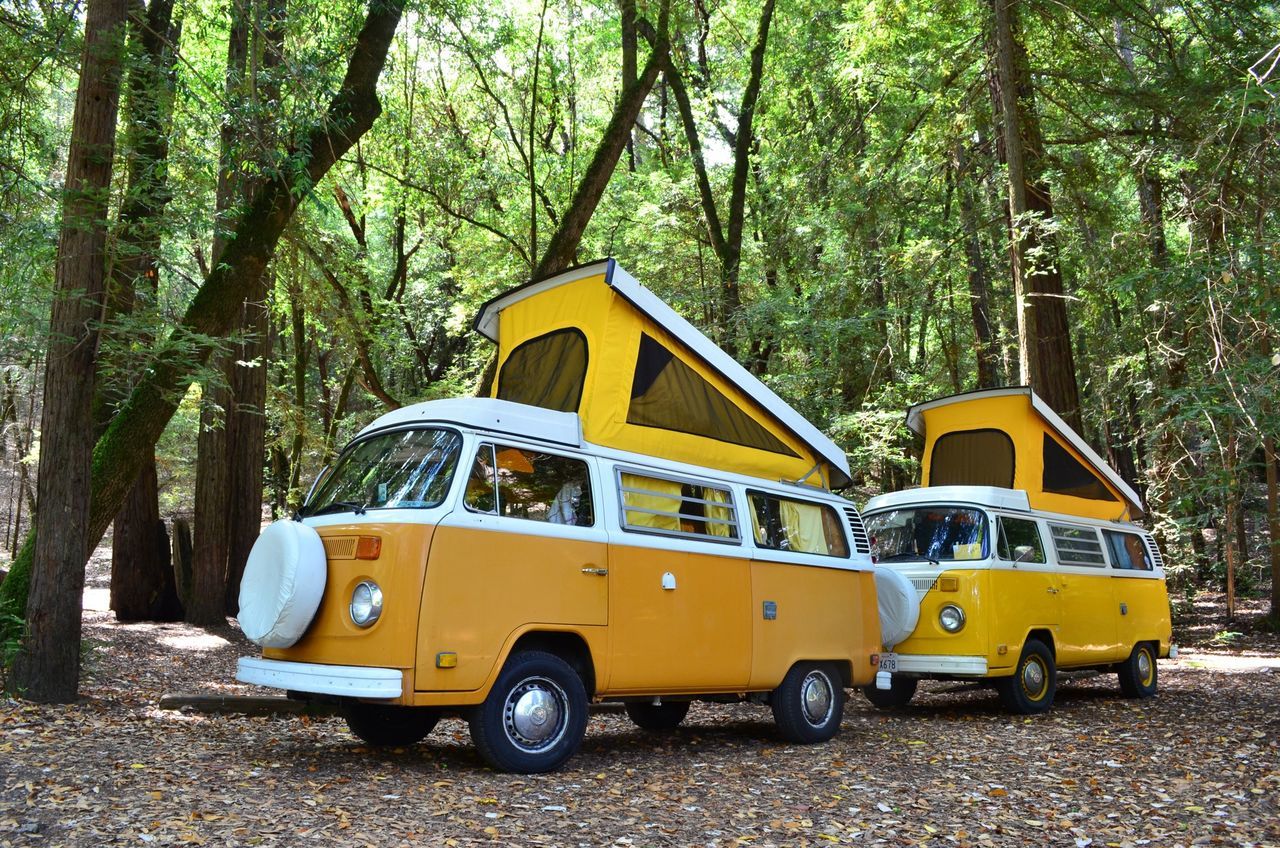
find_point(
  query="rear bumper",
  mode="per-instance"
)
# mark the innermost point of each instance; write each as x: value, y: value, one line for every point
x: 351, y: 681
x: 942, y: 664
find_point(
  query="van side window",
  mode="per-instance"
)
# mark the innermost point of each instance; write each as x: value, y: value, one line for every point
x: 1077, y: 545
x: 1127, y: 551
x: 784, y: 524
x: 522, y: 483
x: 1018, y: 533
x: 655, y: 504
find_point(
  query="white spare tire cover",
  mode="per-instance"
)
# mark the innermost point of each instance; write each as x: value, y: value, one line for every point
x: 282, y: 584
x: 899, y: 606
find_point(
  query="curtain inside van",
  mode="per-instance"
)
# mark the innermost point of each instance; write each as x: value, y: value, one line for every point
x: 648, y: 493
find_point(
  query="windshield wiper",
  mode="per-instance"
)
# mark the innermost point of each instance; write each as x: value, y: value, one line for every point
x: 924, y: 557
x: 339, y: 506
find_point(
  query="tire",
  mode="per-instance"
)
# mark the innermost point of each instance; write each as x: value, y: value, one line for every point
x: 901, y: 690
x: 1139, y: 674
x: 1035, y: 680
x: 535, y: 716
x: 383, y: 725
x: 809, y: 703
x: 664, y: 716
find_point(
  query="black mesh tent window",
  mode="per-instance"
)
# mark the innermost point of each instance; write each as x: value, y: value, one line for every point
x: 547, y: 371
x: 972, y: 458
x: 667, y: 393
x: 1065, y: 475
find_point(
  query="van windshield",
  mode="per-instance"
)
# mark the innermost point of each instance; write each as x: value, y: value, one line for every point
x: 405, y: 469
x: 932, y: 533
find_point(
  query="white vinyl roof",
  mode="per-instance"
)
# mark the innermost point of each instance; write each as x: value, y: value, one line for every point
x: 915, y: 420
x: 690, y: 336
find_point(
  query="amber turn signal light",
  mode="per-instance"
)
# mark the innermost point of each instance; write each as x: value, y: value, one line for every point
x: 369, y: 547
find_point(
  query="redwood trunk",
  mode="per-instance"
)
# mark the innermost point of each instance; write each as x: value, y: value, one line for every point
x: 48, y: 667
x: 1046, y: 362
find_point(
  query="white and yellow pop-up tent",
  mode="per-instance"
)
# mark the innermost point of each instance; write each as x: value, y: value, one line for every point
x: 1011, y: 439
x: 592, y: 340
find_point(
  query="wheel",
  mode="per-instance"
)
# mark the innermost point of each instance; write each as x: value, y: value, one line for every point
x: 1138, y: 674
x: 1032, y: 686
x: 809, y: 703
x: 664, y: 716
x: 901, y: 690
x: 389, y: 724
x: 535, y: 715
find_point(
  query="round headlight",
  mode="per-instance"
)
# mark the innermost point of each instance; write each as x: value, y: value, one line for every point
x: 366, y: 603
x: 951, y: 617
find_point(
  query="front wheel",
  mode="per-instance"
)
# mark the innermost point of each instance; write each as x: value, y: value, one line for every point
x: 535, y: 715
x: 1034, y: 682
x: 664, y: 716
x: 1138, y: 675
x: 900, y: 692
x: 389, y: 724
x: 809, y: 703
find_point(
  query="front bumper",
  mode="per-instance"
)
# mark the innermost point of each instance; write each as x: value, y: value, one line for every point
x: 348, y: 680
x: 941, y: 664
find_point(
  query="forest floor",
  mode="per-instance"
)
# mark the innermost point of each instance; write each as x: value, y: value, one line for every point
x: 1198, y: 764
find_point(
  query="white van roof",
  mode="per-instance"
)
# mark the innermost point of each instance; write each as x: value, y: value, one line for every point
x: 988, y: 496
x: 501, y: 416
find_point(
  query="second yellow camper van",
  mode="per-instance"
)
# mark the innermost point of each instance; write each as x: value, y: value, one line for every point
x: 1017, y: 558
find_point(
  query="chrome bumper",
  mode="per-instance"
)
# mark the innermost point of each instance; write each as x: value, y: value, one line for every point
x: 352, y: 681
x: 942, y: 664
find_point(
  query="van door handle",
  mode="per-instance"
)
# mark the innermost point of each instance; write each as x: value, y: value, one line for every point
x: 599, y: 571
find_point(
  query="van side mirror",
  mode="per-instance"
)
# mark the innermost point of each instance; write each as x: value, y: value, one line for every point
x: 1022, y: 553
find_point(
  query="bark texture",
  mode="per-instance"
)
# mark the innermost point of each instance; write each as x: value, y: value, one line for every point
x: 1046, y: 362
x: 133, y: 432
x: 48, y: 667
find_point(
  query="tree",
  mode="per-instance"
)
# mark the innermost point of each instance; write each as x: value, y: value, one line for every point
x: 133, y: 432
x: 48, y: 667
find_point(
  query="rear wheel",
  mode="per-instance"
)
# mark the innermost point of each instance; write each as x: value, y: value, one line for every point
x: 389, y: 724
x: 664, y: 716
x: 1138, y: 674
x: 899, y: 694
x: 809, y: 703
x: 1034, y: 682
x: 535, y: 715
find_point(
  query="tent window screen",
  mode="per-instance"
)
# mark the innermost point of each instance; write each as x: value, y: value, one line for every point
x: 1065, y: 475
x: 972, y: 458
x: 667, y: 393
x: 547, y: 371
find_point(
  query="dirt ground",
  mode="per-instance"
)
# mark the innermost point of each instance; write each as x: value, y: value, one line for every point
x: 1197, y: 765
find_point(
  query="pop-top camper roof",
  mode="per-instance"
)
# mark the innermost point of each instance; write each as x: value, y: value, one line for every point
x: 1010, y: 438
x: 592, y: 340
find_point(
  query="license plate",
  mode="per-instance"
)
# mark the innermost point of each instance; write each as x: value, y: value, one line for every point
x: 889, y: 662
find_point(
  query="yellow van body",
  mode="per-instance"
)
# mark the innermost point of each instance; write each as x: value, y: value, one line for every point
x: 1012, y: 581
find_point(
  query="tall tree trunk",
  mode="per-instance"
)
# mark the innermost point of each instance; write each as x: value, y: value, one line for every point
x: 133, y: 432
x: 143, y: 587
x: 47, y: 668
x: 1273, y: 520
x: 247, y: 425
x: 985, y: 353
x: 1046, y: 362
x: 210, y: 543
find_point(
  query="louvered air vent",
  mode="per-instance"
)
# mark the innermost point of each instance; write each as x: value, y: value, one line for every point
x: 340, y: 547
x: 861, y: 543
x: 1155, y: 552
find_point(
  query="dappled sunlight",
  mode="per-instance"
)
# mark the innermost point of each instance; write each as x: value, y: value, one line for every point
x: 194, y: 642
x: 1247, y: 662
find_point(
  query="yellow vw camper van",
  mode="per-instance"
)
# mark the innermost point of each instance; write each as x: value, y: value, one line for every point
x: 1016, y: 559
x: 632, y: 517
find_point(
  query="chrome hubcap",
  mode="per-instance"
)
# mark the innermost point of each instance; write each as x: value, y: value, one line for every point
x: 535, y: 714
x: 1033, y: 678
x: 1144, y: 666
x: 817, y: 698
